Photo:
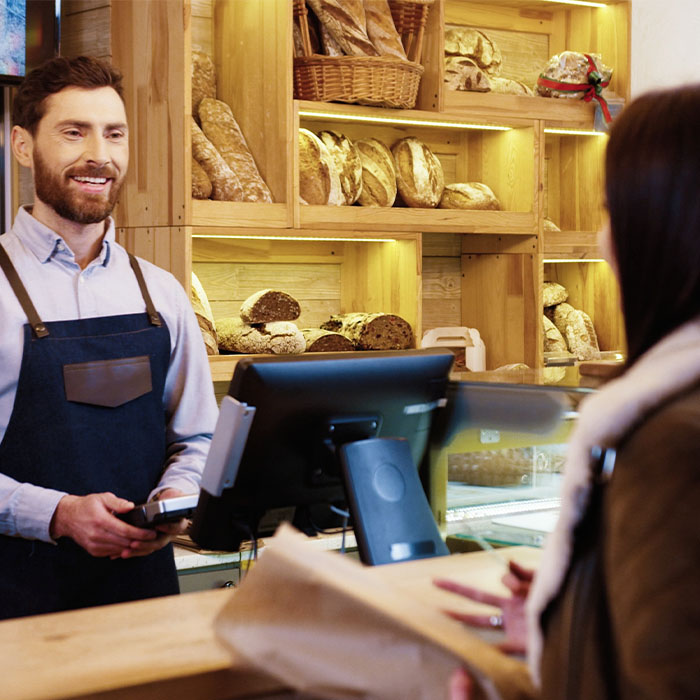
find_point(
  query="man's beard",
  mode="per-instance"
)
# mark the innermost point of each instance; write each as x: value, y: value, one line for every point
x: 80, y: 207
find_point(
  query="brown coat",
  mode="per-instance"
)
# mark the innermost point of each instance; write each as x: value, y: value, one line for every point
x: 627, y: 623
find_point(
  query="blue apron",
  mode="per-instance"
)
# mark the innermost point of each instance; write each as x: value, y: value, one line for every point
x: 88, y: 417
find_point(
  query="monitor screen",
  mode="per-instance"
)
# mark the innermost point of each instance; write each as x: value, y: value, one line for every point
x: 306, y: 406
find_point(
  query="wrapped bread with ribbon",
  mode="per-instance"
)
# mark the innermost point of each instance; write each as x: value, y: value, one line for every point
x: 575, y: 75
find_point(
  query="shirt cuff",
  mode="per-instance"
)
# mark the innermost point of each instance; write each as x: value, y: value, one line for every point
x: 34, y: 508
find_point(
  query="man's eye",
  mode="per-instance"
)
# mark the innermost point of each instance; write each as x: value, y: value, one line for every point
x: 74, y: 133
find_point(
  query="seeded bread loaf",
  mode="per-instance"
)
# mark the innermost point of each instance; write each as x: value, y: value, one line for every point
x: 203, y: 78
x: 319, y: 182
x: 372, y: 331
x: 382, y: 30
x: 469, y: 195
x: 276, y: 337
x: 204, y: 315
x: 225, y: 185
x: 201, y: 184
x: 462, y: 73
x: 553, y: 293
x: 419, y: 177
x: 570, y: 67
x: 578, y: 331
x: 348, y: 164
x: 320, y: 340
x: 466, y: 41
x: 221, y: 128
x: 346, y: 22
x: 378, y: 174
x: 269, y: 305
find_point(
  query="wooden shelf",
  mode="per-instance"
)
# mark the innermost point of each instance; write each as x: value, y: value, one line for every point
x: 571, y: 245
x: 240, y: 214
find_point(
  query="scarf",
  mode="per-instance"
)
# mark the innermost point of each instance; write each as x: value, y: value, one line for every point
x: 666, y: 369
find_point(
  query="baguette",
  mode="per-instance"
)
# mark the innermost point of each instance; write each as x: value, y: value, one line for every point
x: 346, y: 22
x: 382, y: 30
x: 225, y: 185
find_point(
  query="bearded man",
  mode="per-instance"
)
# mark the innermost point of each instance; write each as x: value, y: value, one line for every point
x: 106, y: 398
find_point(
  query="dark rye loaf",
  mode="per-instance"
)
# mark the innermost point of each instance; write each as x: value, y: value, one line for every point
x: 372, y: 331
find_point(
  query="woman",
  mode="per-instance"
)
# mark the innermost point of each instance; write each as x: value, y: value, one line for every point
x: 613, y: 611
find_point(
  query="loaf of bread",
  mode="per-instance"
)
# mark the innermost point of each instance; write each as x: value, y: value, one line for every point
x: 201, y: 184
x: 221, y: 128
x: 466, y: 41
x: 346, y: 22
x: 204, y: 315
x: 578, y: 331
x: 328, y: 43
x: 318, y: 179
x: 553, y: 293
x: 203, y: 78
x: 462, y: 73
x: 378, y: 174
x: 348, y: 165
x: 225, y: 185
x: 320, y: 340
x: 469, y: 195
x: 553, y: 340
x: 549, y: 225
x: 557, y: 314
x: 382, y: 30
x: 570, y: 67
x: 276, y: 337
x: 269, y: 305
x: 509, y: 86
x: 372, y: 331
x: 419, y: 177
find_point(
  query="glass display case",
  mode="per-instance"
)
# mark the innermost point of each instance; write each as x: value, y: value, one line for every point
x: 495, y: 465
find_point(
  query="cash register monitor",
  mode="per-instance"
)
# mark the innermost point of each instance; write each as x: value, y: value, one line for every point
x: 307, y: 407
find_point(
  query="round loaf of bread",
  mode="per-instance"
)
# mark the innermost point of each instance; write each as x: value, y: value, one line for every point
x: 269, y: 305
x: 419, y: 177
x: 462, y: 73
x: 509, y: 86
x: 469, y: 195
x: 277, y: 337
x: 553, y: 293
x: 347, y: 162
x: 318, y: 179
x: 466, y: 41
x: 378, y: 174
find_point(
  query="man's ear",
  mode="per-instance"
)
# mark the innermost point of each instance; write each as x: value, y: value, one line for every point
x: 22, y: 145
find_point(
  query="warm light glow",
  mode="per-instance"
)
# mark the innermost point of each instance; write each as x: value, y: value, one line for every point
x: 574, y: 260
x: 583, y: 3
x: 398, y: 120
x: 295, y: 238
x: 575, y: 132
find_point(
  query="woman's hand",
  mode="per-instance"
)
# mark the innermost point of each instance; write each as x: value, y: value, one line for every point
x: 512, y: 617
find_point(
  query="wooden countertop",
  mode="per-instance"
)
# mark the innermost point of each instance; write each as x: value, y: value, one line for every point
x: 166, y: 647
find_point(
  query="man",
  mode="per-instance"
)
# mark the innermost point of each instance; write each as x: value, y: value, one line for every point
x: 105, y: 394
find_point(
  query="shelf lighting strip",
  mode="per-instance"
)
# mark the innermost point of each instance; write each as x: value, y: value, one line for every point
x: 582, y: 3
x: 573, y: 260
x: 295, y: 238
x: 400, y: 121
x: 575, y: 132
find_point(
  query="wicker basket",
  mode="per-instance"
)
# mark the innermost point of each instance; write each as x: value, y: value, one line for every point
x: 379, y: 81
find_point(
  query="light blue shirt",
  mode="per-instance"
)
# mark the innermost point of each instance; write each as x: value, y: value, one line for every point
x: 61, y: 291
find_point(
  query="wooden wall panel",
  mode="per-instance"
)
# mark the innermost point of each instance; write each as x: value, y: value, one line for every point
x: 86, y: 28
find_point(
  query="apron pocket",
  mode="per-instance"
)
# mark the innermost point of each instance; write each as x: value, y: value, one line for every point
x: 108, y: 383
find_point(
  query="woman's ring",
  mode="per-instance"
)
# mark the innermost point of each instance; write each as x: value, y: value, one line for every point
x: 496, y: 621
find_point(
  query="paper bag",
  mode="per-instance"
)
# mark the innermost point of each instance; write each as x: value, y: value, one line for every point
x: 326, y: 625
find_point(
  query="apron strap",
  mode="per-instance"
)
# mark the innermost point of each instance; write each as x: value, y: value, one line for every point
x: 153, y: 316
x: 20, y: 291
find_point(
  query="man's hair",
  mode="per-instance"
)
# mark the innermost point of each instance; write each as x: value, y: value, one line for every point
x: 653, y: 195
x: 29, y: 104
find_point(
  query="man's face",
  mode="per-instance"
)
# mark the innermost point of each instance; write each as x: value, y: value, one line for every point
x: 80, y: 153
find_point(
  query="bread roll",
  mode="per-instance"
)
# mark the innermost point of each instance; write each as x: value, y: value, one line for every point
x: 269, y: 305
x: 469, y: 195
x: 221, y: 128
x: 553, y: 293
x: 201, y: 184
x: 382, y: 30
x: 378, y: 174
x: 419, y: 177
x: 462, y: 73
x: 372, y: 331
x: 553, y: 340
x: 204, y: 315
x: 203, y: 78
x: 277, y: 337
x: 319, y: 340
x: 348, y: 164
x: 509, y: 86
x: 318, y: 179
x: 466, y: 41
x: 225, y: 185
x: 346, y: 22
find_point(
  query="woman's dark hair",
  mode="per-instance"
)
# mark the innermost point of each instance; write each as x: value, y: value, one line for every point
x: 29, y: 104
x: 653, y: 195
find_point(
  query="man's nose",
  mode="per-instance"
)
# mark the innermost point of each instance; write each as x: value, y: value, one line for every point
x: 96, y: 150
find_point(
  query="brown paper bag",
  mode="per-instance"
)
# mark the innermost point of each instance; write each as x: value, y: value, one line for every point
x: 326, y: 625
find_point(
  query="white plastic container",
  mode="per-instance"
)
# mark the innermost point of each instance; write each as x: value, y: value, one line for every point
x: 466, y: 343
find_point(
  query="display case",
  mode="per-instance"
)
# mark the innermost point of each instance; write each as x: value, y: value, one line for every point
x: 494, y: 470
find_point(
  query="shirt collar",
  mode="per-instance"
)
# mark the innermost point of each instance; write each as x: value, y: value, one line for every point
x: 46, y: 244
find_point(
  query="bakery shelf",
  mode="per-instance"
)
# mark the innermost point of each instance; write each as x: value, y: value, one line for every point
x: 571, y: 245
x: 240, y: 214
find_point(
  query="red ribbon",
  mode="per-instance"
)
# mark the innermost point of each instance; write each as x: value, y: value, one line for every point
x: 591, y: 89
